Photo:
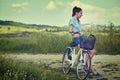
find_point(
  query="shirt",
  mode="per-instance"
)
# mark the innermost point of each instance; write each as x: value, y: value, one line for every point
x: 75, y: 24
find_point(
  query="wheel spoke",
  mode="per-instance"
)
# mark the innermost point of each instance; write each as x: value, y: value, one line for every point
x: 83, y: 68
x: 66, y: 64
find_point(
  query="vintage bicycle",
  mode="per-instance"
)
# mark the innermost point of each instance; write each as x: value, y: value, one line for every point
x: 82, y: 61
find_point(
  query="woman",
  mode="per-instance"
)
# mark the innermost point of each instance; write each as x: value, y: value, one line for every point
x: 75, y: 29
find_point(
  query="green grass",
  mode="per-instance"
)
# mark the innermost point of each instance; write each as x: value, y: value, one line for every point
x: 16, y: 29
x: 35, y: 43
x: 38, y: 41
x: 16, y: 70
x: 107, y: 45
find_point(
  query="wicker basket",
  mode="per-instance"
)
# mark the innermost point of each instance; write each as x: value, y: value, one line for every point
x: 87, y: 42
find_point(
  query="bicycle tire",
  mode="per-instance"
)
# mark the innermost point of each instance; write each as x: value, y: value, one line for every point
x: 66, y: 70
x: 79, y: 74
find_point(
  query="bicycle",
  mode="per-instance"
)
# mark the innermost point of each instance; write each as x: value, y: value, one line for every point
x: 82, y: 61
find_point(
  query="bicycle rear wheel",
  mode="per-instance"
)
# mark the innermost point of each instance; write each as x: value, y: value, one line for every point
x: 83, y: 65
x: 66, y: 64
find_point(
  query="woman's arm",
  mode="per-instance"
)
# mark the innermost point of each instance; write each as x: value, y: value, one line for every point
x: 70, y: 29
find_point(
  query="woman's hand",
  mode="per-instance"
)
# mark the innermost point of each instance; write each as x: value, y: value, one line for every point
x: 70, y: 31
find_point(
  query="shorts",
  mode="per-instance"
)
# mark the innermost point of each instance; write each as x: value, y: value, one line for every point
x: 75, y: 41
x: 86, y: 42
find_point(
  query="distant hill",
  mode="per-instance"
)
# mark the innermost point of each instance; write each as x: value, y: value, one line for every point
x: 13, y: 23
x: 84, y: 26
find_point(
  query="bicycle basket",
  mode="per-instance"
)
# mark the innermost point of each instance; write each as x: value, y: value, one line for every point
x: 87, y: 42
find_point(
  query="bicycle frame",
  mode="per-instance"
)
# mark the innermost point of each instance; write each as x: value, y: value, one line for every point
x: 81, y: 61
x: 75, y: 57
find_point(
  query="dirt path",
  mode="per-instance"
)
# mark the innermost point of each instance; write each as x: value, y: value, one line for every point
x: 108, y: 65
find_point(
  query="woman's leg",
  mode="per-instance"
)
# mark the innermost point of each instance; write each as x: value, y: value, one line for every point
x: 78, y: 45
x: 92, y: 53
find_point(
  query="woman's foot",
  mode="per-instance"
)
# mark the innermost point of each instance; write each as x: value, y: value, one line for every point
x: 97, y: 75
x: 86, y: 70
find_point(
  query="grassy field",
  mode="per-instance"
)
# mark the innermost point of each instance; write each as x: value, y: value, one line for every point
x: 17, y: 70
x: 18, y: 39
x: 48, y: 67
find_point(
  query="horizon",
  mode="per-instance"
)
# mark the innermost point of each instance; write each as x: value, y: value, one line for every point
x: 107, y: 24
x: 52, y: 12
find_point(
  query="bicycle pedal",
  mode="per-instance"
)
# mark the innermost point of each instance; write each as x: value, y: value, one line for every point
x: 69, y: 61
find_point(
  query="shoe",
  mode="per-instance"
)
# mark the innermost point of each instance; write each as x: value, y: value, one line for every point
x: 86, y: 70
x: 69, y: 57
x: 98, y: 75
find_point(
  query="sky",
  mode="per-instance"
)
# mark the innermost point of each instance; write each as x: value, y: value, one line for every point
x: 58, y: 12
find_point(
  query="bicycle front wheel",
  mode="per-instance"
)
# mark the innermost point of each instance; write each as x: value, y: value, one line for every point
x: 83, y: 65
x: 66, y: 64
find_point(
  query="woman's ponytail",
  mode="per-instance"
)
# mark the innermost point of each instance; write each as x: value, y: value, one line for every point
x: 76, y: 9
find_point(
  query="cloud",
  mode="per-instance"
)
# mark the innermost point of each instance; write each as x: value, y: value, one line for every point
x: 96, y: 12
x: 59, y: 3
x: 16, y: 5
x: 51, y: 5
x: 84, y: 5
x: 21, y: 6
x: 75, y: 3
x: 92, y: 8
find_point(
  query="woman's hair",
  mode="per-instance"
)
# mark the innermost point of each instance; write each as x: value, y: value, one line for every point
x: 76, y: 9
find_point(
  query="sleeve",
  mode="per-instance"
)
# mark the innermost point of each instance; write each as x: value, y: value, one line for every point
x: 71, y: 22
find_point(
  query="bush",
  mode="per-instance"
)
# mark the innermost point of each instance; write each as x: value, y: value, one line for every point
x: 48, y: 42
x: 17, y: 70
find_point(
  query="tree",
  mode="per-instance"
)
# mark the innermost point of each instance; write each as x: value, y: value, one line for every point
x: 111, y: 33
x: 8, y: 28
x: 46, y: 30
x: 111, y: 29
